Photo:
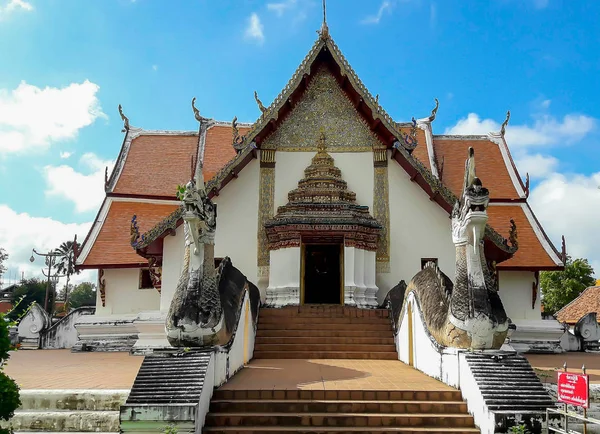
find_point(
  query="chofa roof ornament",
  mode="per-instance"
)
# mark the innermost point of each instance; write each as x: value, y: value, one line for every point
x: 434, y: 111
x: 504, y: 124
x: 197, y: 115
x: 261, y: 106
x: 125, y: 120
x: 324, y: 32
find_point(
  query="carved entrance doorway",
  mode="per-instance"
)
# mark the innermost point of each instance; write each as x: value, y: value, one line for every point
x: 322, y: 274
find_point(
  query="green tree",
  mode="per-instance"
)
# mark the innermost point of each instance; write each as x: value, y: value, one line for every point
x: 83, y: 294
x: 66, y: 264
x: 30, y: 290
x: 559, y: 288
x: 9, y: 391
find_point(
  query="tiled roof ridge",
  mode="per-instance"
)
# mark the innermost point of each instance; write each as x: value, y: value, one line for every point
x: 576, y: 299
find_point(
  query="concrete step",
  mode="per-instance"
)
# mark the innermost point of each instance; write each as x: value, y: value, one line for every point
x: 339, y: 419
x: 333, y: 430
x: 355, y: 395
x: 320, y: 346
x: 336, y: 406
x: 65, y: 421
x: 320, y: 333
x: 325, y: 355
x: 322, y: 320
x: 324, y: 311
x: 67, y: 399
x: 308, y: 325
x: 304, y: 340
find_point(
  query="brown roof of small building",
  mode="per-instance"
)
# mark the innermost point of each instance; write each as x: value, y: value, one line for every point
x: 491, y: 168
x: 112, y: 246
x: 587, y: 302
x: 531, y: 253
x: 218, y: 149
x: 156, y: 164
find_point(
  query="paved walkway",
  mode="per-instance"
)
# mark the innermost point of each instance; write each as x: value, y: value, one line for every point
x: 62, y: 369
x: 549, y: 363
x: 292, y: 374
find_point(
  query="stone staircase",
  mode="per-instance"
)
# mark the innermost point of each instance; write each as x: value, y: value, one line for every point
x: 331, y: 411
x: 510, y: 389
x: 75, y: 411
x: 324, y: 332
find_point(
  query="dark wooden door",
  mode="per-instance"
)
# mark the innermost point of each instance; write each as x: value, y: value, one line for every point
x: 322, y: 269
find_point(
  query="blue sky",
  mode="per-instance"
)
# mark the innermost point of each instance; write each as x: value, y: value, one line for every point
x: 65, y: 65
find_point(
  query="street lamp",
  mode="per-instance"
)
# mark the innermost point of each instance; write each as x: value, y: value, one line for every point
x: 50, y: 260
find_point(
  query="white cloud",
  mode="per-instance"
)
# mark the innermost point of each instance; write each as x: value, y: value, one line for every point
x: 374, y: 19
x: 65, y: 155
x: 281, y: 7
x: 20, y: 232
x: 14, y: 5
x: 569, y: 205
x: 34, y: 118
x: 85, y: 190
x: 538, y: 165
x: 546, y: 129
x: 540, y: 4
x: 545, y: 104
x: 255, y: 29
x: 155, y: 67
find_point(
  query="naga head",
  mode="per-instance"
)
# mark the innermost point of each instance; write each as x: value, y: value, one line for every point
x: 469, y: 216
x: 200, y: 211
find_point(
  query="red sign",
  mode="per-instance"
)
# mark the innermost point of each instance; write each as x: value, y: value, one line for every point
x: 574, y: 389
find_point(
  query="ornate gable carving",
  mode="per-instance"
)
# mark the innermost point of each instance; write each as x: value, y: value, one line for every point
x: 324, y: 106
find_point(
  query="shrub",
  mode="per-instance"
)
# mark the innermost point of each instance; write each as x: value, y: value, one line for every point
x: 9, y: 391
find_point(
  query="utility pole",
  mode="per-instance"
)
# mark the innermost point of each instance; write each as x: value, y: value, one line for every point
x: 50, y: 260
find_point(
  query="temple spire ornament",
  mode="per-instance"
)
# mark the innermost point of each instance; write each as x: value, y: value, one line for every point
x: 125, y: 120
x: 504, y: 124
x: 238, y: 140
x: 324, y: 32
x: 259, y: 102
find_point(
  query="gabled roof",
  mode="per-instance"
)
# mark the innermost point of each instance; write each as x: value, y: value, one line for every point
x: 587, y: 302
x: 492, y: 168
x: 109, y: 243
x: 535, y: 251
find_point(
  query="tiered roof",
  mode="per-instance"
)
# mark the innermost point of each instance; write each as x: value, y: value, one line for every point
x: 436, y: 164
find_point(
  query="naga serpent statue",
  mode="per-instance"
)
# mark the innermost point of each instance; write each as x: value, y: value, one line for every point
x: 207, y: 302
x: 469, y: 313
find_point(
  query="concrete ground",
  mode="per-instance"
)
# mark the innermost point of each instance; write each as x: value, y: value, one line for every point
x: 547, y: 364
x: 293, y: 374
x: 62, y: 369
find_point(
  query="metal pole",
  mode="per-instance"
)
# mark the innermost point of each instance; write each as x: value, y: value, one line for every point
x: 566, y: 408
x: 49, y: 259
x: 584, y: 409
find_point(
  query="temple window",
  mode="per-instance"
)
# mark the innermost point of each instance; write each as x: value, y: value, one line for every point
x: 145, y: 280
x: 424, y: 261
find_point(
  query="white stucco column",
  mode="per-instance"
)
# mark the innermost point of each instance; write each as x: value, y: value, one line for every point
x: 284, y: 277
x: 369, y: 278
x: 349, y: 285
x: 359, y: 277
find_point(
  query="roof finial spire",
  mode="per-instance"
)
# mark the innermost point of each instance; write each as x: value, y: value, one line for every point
x: 324, y: 29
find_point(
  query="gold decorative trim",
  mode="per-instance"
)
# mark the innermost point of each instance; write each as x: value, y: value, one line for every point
x: 381, y: 211
x: 267, y: 158
x: 266, y: 210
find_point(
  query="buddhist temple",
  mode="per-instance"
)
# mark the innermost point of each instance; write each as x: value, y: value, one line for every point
x: 324, y: 214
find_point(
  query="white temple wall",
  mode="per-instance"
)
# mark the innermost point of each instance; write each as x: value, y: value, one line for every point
x: 237, y: 221
x: 123, y: 295
x: 419, y: 228
x: 357, y: 170
x: 173, y: 251
x: 515, y: 293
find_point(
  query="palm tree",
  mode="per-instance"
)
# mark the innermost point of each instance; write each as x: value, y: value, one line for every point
x: 66, y: 264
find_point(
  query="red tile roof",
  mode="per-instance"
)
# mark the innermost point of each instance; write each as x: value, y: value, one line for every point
x: 491, y: 168
x: 531, y: 253
x: 156, y: 164
x: 112, y: 246
x: 587, y: 302
x: 218, y: 149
